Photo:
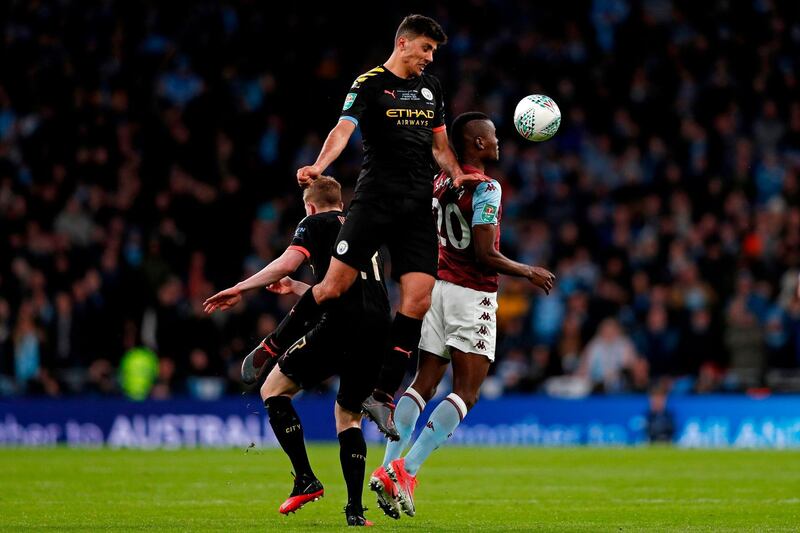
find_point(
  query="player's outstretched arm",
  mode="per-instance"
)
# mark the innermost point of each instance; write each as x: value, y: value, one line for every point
x: 333, y: 147
x: 284, y: 265
x: 446, y: 159
x: 288, y: 285
x: 484, y: 236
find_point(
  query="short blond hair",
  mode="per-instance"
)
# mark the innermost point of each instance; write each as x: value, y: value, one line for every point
x: 323, y: 192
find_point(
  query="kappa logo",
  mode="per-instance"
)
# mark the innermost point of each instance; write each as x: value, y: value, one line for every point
x: 390, y: 93
x: 427, y: 93
x: 342, y: 248
x: 429, y: 425
x: 490, y: 187
x: 485, y: 316
x: 483, y: 330
x: 487, y: 302
x: 480, y: 345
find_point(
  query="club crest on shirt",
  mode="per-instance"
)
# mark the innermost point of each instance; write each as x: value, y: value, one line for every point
x: 427, y: 93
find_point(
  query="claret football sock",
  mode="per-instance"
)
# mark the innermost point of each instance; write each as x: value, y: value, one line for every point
x: 353, y: 456
x: 289, y: 432
x: 406, y: 414
x: 440, y: 427
x: 404, y: 343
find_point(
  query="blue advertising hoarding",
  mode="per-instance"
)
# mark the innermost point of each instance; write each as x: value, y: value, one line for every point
x: 701, y: 421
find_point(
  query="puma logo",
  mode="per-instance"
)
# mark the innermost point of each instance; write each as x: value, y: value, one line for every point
x: 399, y: 349
x: 390, y: 93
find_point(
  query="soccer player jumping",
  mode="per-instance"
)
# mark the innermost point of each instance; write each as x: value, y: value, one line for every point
x: 400, y: 111
x: 460, y: 326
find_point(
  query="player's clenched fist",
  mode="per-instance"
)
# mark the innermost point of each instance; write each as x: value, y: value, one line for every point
x: 307, y: 174
x: 541, y: 277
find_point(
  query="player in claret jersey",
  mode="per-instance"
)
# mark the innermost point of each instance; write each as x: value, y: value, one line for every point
x: 460, y: 327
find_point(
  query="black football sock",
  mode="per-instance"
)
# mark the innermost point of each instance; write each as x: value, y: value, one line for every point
x: 353, y: 455
x: 293, y: 325
x: 289, y: 432
x: 404, y: 343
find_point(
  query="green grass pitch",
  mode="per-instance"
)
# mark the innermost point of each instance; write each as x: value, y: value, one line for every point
x: 467, y: 490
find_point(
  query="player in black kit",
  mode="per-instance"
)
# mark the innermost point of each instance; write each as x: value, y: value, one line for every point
x: 400, y: 111
x: 346, y: 340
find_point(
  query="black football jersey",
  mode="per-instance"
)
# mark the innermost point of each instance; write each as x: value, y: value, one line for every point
x: 397, y: 118
x: 315, y: 237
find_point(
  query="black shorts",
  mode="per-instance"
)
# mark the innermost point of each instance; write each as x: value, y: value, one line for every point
x: 347, y: 346
x: 404, y: 225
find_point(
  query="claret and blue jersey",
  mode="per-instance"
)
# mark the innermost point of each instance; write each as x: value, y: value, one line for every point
x: 456, y: 212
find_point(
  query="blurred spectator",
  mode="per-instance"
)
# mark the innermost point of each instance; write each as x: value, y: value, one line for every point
x: 701, y: 343
x: 744, y: 340
x: 660, y: 421
x: 658, y: 343
x: 610, y: 361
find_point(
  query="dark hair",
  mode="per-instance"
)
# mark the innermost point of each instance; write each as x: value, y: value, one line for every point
x: 323, y: 192
x: 459, y: 125
x: 416, y: 25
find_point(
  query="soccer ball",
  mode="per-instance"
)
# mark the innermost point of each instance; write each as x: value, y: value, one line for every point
x: 537, y: 117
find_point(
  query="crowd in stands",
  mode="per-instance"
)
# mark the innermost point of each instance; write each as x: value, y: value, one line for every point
x: 148, y: 151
